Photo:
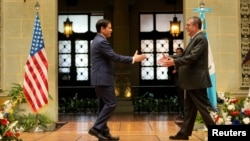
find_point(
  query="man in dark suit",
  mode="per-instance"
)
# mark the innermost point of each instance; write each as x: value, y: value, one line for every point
x: 102, y: 77
x: 180, y: 91
x: 193, y: 77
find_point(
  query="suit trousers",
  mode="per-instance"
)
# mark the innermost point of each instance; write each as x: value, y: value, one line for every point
x: 107, y: 103
x: 180, y: 95
x: 196, y: 100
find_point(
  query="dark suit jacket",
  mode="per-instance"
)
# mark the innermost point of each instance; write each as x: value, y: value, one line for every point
x: 193, y: 64
x: 102, y: 61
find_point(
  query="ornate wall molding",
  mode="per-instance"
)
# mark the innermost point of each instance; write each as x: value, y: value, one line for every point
x: 245, y: 40
x: 0, y: 44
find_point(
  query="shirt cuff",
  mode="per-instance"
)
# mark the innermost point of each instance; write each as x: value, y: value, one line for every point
x: 133, y: 61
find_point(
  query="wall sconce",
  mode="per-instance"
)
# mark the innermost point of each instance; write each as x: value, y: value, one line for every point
x: 68, y: 29
x: 175, y: 27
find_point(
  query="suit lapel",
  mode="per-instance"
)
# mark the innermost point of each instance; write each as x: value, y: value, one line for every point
x: 191, y: 41
x: 189, y: 44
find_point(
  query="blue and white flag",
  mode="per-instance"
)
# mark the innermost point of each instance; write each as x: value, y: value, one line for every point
x: 211, y: 91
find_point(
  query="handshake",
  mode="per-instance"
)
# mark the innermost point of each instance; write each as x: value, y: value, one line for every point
x: 166, y: 61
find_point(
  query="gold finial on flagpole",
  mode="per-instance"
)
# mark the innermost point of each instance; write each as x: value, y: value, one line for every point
x: 202, y: 4
x: 37, y: 6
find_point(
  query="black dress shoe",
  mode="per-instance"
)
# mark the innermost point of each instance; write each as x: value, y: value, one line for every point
x: 180, y: 117
x: 112, y: 138
x: 179, y: 136
x: 97, y: 134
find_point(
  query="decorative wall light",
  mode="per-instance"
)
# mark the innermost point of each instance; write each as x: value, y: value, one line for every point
x: 175, y: 27
x: 68, y: 29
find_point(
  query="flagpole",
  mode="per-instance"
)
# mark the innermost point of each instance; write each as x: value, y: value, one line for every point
x: 37, y: 127
x: 211, y: 92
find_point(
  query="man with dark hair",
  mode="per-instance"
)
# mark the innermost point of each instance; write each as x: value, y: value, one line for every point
x: 180, y: 91
x: 193, y: 77
x: 102, y: 77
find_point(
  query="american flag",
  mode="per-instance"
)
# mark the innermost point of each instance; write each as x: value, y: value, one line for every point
x: 35, y: 86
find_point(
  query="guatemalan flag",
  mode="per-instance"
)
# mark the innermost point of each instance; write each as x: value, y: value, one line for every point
x: 211, y: 91
x: 212, y: 95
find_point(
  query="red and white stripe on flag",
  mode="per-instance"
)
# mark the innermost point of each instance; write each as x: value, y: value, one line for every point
x: 35, y: 86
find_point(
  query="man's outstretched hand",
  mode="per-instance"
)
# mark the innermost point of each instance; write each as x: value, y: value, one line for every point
x: 139, y: 57
x: 166, y: 61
